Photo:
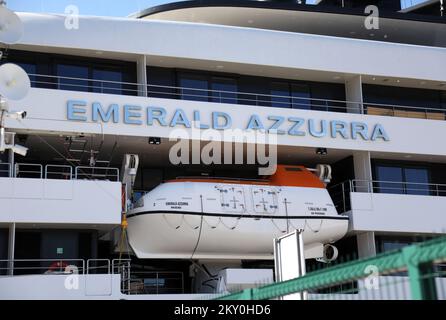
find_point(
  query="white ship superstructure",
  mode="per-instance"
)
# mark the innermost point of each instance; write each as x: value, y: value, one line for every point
x: 358, y: 116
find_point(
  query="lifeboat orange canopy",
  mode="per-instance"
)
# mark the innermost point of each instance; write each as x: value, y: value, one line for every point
x: 295, y: 176
x: 285, y: 176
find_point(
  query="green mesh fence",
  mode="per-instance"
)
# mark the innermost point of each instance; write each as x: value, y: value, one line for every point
x: 415, y: 272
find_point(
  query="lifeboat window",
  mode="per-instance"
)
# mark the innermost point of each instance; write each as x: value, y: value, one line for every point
x: 232, y: 199
x: 264, y: 200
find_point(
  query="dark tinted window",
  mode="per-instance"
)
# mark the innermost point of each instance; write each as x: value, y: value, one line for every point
x: 414, y: 97
x: 193, y: 87
x: 30, y: 69
x: 161, y: 83
x: 403, y: 180
x: 71, y: 77
x: 300, y: 96
x: 224, y: 90
x: 108, y: 81
x: 280, y: 95
x: 394, y: 176
x: 417, y: 181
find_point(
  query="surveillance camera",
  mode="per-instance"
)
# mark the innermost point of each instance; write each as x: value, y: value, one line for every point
x: 21, y: 150
x: 18, y: 115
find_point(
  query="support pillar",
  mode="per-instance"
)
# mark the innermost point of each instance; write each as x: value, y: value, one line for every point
x: 353, y: 94
x: 141, y: 75
x: 366, y: 245
x: 11, y: 162
x: 363, y: 172
x: 11, y: 249
x: 363, y: 175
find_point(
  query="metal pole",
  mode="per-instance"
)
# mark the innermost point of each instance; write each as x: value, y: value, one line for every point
x: 277, y: 267
x: 11, y: 162
x: 157, y: 283
x: 421, y: 279
x: 301, y: 254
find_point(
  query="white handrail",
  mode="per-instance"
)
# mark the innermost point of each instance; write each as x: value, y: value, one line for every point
x: 178, y: 92
x: 79, y: 172
x: 18, y: 171
x: 7, y: 170
x: 61, y: 173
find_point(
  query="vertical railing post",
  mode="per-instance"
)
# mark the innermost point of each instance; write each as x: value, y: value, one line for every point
x: 421, y: 280
x: 246, y: 294
x: 343, y: 197
x: 11, y: 249
x: 157, y: 284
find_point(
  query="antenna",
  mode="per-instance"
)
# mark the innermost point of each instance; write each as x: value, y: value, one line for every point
x: 14, y: 82
x: 11, y: 28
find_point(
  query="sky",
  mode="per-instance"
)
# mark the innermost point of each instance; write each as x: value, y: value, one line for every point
x: 114, y: 8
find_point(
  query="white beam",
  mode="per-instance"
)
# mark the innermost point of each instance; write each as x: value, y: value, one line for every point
x: 141, y: 73
x: 353, y: 93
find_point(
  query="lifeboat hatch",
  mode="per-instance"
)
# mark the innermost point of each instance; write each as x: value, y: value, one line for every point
x: 232, y: 199
x: 264, y: 200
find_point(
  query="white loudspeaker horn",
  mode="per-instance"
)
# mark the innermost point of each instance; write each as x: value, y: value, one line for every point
x: 11, y: 27
x: 14, y: 82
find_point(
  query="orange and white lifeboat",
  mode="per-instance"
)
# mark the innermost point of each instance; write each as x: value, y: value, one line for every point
x: 207, y: 218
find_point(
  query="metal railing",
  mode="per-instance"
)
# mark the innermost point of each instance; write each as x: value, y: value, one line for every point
x: 235, y: 97
x: 412, y: 188
x: 95, y: 266
x: 139, y: 282
x: 85, y: 84
x: 421, y: 262
x: 28, y: 170
x: 96, y: 173
x: 5, y: 170
x: 60, y: 172
x: 53, y: 171
x: 153, y: 282
x: 340, y: 193
x: 41, y: 266
x: 122, y: 267
x: 64, y: 266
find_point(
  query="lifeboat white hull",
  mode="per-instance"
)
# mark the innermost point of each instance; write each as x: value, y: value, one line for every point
x: 184, y: 220
x: 173, y: 236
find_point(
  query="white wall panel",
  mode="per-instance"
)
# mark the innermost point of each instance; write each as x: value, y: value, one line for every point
x: 47, y: 111
x: 398, y: 213
x: 56, y: 201
x: 238, y: 45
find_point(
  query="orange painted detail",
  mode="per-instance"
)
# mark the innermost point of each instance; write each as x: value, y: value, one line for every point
x: 295, y: 176
x: 285, y: 176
